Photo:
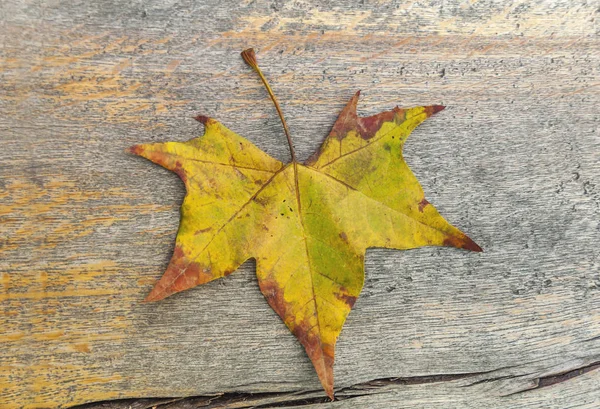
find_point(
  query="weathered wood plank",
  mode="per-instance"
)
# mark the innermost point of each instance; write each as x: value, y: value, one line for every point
x: 85, y: 229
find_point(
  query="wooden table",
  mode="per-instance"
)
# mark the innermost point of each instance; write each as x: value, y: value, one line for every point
x: 86, y: 229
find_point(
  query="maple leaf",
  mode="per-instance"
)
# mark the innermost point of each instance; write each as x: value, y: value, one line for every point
x: 307, y: 225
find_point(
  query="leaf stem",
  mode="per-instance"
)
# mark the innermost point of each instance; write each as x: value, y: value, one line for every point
x: 250, y: 58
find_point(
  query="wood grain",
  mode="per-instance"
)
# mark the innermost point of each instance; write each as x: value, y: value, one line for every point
x: 86, y: 229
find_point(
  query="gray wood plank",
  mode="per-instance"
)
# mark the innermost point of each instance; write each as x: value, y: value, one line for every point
x: 86, y: 229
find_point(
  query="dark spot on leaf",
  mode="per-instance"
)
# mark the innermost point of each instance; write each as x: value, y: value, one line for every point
x: 261, y: 200
x: 348, y: 299
x: 369, y: 126
x: 366, y: 127
x: 344, y: 237
x: 387, y: 147
x: 203, y: 230
x: 422, y: 204
x: 433, y: 109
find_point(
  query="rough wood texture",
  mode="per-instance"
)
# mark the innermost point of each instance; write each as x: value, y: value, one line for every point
x: 86, y: 229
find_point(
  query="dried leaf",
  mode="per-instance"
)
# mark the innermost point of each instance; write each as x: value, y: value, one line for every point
x: 307, y: 225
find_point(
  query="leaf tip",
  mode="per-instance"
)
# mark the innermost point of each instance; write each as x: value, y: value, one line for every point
x: 135, y: 149
x: 204, y: 120
x: 476, y: 248
x: 471, y: 245
x: 434, y: 109
x: 151, y: 297
x: 462, y: 242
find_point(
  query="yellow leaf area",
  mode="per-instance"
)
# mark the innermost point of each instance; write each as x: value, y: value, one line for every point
x: 308, y: 226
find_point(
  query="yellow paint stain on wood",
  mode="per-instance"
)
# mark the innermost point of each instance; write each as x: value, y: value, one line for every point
x: 11, y: 337
x: 10, y: 63
x: 35, y: 320
x: 75, y: 337
x: 63, y: 276
x: 5, y: 280
x: 90, y: 89
x: 56, y: 400
x: 9, y: 313
x: 53, y: 206
x: 146, y: 281
x: 64, y: 60
x: 97, y: 379
x: 82, y: 347
x: 48, y: 335
x: 38, y: 295
x: 43, y: 279
x: 80, y: 79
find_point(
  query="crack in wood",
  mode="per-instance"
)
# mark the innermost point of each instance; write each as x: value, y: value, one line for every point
x: 413, y: 380
x: 304, y: 398
x: 550, y: 380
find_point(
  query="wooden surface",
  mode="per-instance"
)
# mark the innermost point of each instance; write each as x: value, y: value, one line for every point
x: 86, y: 229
